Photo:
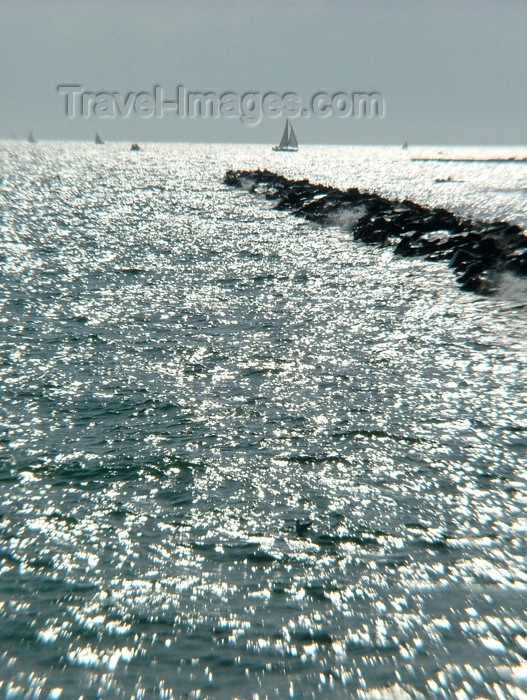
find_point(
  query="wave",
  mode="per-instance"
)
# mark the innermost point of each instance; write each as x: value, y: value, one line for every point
x: 478, y: 252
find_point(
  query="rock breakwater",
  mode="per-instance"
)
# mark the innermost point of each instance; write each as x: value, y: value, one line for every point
x: 477, y: 251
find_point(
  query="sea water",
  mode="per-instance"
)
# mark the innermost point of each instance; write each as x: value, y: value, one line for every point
x: 185, y: 371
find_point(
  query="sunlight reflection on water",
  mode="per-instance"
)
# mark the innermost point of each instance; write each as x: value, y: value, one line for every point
x: 186, y: 371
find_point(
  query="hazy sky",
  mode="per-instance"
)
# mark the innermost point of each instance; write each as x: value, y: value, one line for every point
x: 450, y: 72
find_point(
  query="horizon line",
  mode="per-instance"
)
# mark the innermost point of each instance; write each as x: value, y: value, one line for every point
x: 398, y: 144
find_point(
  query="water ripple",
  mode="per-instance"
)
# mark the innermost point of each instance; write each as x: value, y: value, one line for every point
x: 186, y: 372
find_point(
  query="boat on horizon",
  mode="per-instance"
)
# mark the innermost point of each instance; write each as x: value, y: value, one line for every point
x: 30, y: 138
x: 288, y: 141
x: 135, y: 147
x: 405, y: 146
x: 98, y: 140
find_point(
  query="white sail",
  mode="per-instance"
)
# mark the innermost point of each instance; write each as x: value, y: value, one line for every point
x: 288, y: 141
x: 285, y: 140
x: 98, y: 140
x: 292, y: 142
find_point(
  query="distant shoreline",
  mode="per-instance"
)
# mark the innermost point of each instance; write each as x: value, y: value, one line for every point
x: 470, y: 160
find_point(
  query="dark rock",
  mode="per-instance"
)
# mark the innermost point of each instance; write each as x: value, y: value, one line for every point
x: 517, y: 262
x: 476, y: 250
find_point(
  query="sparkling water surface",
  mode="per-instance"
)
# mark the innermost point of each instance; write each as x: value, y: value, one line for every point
x: 185, y: 371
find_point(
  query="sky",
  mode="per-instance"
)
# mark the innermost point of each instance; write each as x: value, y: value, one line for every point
x: 447, y: 71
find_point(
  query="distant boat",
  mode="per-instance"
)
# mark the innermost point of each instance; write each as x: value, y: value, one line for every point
x: 288, y: 142
x: 405, y: 146
x: 98, y: 140
x: 30, y: 138
x: 135, y: 147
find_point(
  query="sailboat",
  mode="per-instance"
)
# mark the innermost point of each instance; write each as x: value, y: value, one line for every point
x: 405, y: 146
x: 288, y: 141
x: 98, y: 140
x: 30, y: 138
